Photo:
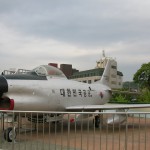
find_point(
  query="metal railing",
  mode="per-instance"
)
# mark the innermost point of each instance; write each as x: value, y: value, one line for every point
x: 74, y: 131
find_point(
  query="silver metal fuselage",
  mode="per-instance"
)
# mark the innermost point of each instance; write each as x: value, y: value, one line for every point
x: 55, y: 94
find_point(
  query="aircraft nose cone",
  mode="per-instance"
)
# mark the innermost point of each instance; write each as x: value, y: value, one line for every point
x: 3, y: 85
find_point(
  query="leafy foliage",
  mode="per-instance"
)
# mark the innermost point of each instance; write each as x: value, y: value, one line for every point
x: 144, y: 96
x: 142, y: 76
x: 120, y: 98
x: 117, y: 97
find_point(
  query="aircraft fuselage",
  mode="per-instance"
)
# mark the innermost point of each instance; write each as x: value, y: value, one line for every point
x: 54, y: 94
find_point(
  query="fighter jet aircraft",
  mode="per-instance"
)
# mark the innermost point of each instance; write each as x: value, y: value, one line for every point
x: 46, y: 88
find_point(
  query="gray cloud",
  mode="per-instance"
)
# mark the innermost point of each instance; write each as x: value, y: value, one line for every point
x: 79, y: 22
x: 75, y: 31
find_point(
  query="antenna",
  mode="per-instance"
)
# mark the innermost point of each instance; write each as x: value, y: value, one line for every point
x: 103, y: 54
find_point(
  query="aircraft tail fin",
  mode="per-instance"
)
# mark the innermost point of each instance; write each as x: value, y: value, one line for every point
x: 105, y: 76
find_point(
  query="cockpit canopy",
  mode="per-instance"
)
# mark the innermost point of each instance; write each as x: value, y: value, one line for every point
x: 46, y: 70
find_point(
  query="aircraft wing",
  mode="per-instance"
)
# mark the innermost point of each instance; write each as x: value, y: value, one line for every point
x: 107, y: 107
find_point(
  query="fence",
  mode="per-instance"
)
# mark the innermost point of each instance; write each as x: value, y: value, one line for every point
x: 74, y: 131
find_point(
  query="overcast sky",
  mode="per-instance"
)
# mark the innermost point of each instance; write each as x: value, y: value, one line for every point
x: 35, y: 32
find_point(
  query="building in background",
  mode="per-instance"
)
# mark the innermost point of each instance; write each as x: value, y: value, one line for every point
x: 93, y: 75
x: 53, y: 64
x: 66, y: 69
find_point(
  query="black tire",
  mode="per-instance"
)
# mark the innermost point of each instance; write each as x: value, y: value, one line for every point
x: 8, y: 134
x: 97, y: 121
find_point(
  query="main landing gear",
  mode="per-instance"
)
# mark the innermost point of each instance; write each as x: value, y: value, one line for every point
x: 97, y: 121
x: 10, y: 134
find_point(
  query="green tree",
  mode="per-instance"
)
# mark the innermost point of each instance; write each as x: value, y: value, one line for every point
x: 142, y: 76
x: 144, y: 96
x: 121, y: 98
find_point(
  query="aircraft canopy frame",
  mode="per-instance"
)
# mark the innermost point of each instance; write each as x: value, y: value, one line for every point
x: 47, y: 70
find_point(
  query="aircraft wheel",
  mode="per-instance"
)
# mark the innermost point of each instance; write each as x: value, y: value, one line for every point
x: 9, y: 136
x: 97, y: 121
